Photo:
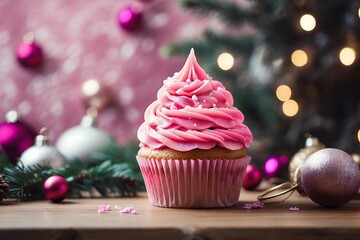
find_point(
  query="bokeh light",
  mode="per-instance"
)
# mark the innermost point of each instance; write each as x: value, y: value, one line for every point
x: 307, y: 22
x: 225, y: 61
x: 90, y: 87
x: 290, y: 108
x: 283, y: 92
x: 347, y: 56
x: 299, y: 58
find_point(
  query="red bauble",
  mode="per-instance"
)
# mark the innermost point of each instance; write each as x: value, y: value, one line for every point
x: 252, y: 177
x: 29, y: 54
x: 15, y: 137
x: 55, y: 188
x: 330, y: 177
x: 129, y: 19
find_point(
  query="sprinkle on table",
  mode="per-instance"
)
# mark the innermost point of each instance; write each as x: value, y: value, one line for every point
x: 255, y: 205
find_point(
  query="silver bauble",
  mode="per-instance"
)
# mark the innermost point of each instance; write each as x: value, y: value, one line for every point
x: 42, y: 153
x: 77, y: 143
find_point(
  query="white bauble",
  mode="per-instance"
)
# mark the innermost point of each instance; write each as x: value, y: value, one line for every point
x: 80, y: 141
x: 42, y: 154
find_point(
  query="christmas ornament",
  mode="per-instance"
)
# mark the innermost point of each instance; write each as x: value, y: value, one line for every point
x: 329, y: 177
x: 356, y: 158
x: 29, y: 53
x: 43, y: 153
x: 95, y: 95
x: 55, y: 188
x: 129, y: 19
x: 252, y: 177
x: 80, y: 141
x: 15, y: 137
x: 275, y: 166
x: 4, y: 189
x: 312, y: 145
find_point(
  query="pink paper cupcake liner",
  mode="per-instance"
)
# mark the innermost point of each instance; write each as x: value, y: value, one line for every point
x: 195, y: 183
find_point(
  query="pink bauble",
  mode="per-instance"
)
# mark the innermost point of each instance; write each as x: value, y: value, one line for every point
x: 15, y: 138
x: 129, y: 19
x: 29, y: 54
x: 252, y: 177
x: 330, y: 177
x: 55, y: 188
x: 275, y: 166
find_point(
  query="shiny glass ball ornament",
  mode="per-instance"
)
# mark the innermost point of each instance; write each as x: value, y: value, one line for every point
x: 275, y: 166
x: 42, y: 153
x: 129, y: 19
x: 330, y: 177
x: 252, y: 177
x: 29, y: 53
x: 96, y: 95
x: 312, y: 144
x: 55, y: 188
x: 80, y: 141
x: 16, y: 136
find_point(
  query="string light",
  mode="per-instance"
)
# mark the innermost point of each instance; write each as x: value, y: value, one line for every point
x: 359, y: 12
x: 299, y: 58
x: 358, y: 135
x: 290, y: 108
x: 225, y: 61
x: 307, y: 22
x: 347, y: 56
x: 283, y: 93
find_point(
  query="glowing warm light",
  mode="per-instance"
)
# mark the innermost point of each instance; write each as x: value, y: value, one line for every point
x: 359, y: 135
x: 299, y: 58
x: 347, y: 56
x: 283, y: 93
x: 225, y: 61
x: 359, y: 12
x: 90, y: 87
x: 307, y: 22
x: 290, y: 108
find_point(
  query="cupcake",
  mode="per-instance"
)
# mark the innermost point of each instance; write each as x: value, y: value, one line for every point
x: 193, y: 143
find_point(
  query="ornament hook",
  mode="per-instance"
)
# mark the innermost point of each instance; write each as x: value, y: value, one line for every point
x: 43, y: 137
x: 271, y: 193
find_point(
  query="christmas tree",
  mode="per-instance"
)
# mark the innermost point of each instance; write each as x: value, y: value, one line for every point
x: 291, y: 65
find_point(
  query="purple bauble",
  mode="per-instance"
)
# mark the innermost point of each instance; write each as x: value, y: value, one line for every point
x: 252, y: 177
x: 129, y: 19
x: 275, y: 166
x: 55, y: 188
x: 15, y: 138
x: 330, y: 177
x: 29, y: 54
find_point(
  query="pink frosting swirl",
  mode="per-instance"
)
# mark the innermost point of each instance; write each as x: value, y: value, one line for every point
x: 193, y: 111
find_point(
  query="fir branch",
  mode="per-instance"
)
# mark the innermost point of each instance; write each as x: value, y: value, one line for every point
x: 228, y: 12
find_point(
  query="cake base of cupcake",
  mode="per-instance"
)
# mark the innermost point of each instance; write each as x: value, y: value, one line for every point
x: 193, y: 183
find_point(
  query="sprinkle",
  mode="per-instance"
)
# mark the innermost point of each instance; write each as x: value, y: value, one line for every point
x: 129, y: 210
x: 104, y: 208
x: 294, y: 209
x: 210, y: 94
x: 200, y: 106
x: 214, y: 105
x: 194, y: 124
x: 204, y: 100
x: 219, y: 89
x: 255, y: 205
x: 188, y: 80
x: 194, y: 97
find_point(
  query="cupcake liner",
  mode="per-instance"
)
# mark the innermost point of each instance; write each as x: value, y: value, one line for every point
x: 193, y: 183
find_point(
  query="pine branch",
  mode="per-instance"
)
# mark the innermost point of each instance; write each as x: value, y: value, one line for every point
x: 228, y: 12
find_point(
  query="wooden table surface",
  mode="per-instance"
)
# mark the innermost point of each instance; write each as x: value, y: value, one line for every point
x: 78, y: 219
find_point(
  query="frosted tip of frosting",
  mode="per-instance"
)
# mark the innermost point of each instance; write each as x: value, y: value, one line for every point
x: 191, y: 70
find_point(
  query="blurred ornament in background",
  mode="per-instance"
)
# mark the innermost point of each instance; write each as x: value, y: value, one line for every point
x: 15, y: 136
x: 96, y: 95
x: 55, y: 188
x: 312, y: 144
x: 129, y: 19
x: 80, y: 141
x: 275, y: 166
x: 29, y: 53
x: 330, y: 177
x: 356, y: 158
x: 42, y: 153
x: 252, y: 177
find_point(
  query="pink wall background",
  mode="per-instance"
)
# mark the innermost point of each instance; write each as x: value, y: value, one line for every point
x: 81, y: 40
